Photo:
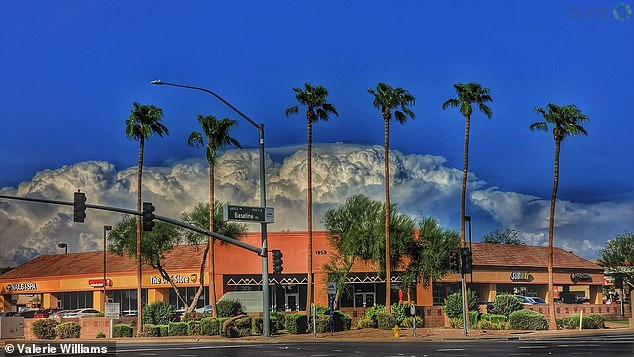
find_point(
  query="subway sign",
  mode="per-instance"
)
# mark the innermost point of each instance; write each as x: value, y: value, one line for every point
x: 20, y: 287
x: 521, y: 276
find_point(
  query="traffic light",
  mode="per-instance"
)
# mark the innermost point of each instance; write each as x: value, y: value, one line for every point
x: 79, y: 206
x: 466, y: 261
x: 277, y: 261
x: 148, y: 216
x: 454, y: 261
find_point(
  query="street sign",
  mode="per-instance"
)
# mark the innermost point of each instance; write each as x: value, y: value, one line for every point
x: 248, y: 214
x: 331, y: 288
x: 112, y: 310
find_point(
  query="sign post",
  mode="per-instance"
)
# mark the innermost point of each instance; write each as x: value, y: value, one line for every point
x: 412, y: 311
x: 112, y: 310
x: 332, y: 290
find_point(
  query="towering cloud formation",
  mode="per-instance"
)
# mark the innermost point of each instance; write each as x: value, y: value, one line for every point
x: 421, y: 186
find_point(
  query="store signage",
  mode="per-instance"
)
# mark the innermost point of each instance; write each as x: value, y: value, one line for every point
x: 248, y: 214
x: 20, y: 287
x: 176, y: 278
x: 98, y: 283
x: 577, y: 277
x: 521, y: 276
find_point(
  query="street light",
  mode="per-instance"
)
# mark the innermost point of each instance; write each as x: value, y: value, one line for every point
x: 263, y: 228
x: 63, y: 245
x: 105, y: 297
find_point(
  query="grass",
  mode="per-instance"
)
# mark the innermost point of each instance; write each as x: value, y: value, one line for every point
x: 622, y: 322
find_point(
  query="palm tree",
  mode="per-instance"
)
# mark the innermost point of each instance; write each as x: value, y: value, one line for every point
x: 388, y: 99
x: 566, y: 122
x: 143, y: 122
x: 468, y: 94
x: 314, y: 99
x: 216, y: 132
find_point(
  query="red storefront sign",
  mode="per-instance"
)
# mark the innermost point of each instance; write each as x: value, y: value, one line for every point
x: 98, y: 283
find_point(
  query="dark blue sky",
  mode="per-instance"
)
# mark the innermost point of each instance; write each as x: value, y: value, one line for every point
x: 71, y: 70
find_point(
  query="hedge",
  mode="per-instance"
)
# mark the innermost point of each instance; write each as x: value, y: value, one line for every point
x: 237, y: 326
x: 121, y: 330
x: 493, y: 318
x: 506, y: 304
x: 527, y: 320
x: 44, y: 329
x: 366, y: 323
x: 593, y: 321
x: 150, y: 330
x: 163, y: 330
x: 68, y: 330
x: 277, y: 321
x: 177, y: 329
x: 194, y: 327
x: 385, y: 320
x: 296, y: 323
x: 157, y: 313
x: 229, y: 308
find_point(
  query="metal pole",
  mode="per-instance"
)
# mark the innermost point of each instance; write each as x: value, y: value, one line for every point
x: 465, y: 320
x: 105, y: 296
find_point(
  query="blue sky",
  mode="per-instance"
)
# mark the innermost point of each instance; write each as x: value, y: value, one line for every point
x: 71, y: 70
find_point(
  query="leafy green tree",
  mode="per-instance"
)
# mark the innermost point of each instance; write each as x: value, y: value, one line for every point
x: 618, y: 257
x: 163, y: 238
x: 566, y: 121
x: 5, y: 269
x: 199, y: 217
x: 388, y: 100
x: 143, y: 122
x: 314, y: 99
x: 217, y: 134
x: 356, y: 230
x: 429, y: 254
x: 507, y: 236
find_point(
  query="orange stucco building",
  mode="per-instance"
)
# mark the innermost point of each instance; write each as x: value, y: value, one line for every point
x: 75, y: 280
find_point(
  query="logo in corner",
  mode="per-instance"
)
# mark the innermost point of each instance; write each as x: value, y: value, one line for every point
x: 622, y: 11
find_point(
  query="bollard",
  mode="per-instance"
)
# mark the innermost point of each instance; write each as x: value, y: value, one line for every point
x: 396, y: 330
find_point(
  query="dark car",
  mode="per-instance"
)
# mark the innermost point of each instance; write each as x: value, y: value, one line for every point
x: 28, y: 314
x: 44, y: 313
x: 8, y: 313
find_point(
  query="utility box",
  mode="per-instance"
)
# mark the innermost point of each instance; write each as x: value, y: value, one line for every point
x: 11, y: 327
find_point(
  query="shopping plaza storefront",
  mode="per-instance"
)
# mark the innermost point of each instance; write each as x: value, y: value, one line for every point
x: 75, y: 280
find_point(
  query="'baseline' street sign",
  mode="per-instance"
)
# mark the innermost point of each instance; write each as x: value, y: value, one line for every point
x: 248, y: 214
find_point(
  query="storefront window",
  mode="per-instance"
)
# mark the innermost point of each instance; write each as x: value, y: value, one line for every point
x: 75, y: 300
x: 188, y: 294
x: 127, y: 299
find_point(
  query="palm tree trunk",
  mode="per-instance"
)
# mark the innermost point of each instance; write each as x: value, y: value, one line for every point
x: 201, y: 281
x: 463, y: 198
x: 309, y: 203
x: 388, y: 272
x: 212, y: 244
x: 552, y: 323
x: 138, y: 238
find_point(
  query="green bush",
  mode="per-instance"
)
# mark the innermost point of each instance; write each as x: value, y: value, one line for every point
x: 385, y: 320
x: 238, y: 326
x: 121, y: 330
x: 150, y: 330
x: 493, y: 318
x: 296, y: 323
x: 366, y: 323
x: 194, y: 327
x: 372, y: 313
x: 491, y: 325
x: 455, y: 322
x: 408, y: 322
x: 257, y: 325
x: 207, y: 325
x: 157, y: 313
x: 453, y: 303
x: 598, y: 321
x: 163, y: 330
x: 323, y: 324
x: 219, y: 325
x: 177, y: 329
x: 195, y: 316
x: 277, y: 321
x: 342, y: 321
x: 321, y: 310
x: 229, y: 308
x: 506, y: 304
x: 399, y: 311
x: 44, y: 329
x: 68, y: 330
x: 593, y: 321
x: 527, y: 320
x: 100, y: 334
x: 474, y: 316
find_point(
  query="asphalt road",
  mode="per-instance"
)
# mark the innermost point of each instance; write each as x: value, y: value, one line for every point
x: 609, y: 345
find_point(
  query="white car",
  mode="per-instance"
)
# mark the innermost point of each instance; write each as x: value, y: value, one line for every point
x: 82, y: 313
x: 60, y: 314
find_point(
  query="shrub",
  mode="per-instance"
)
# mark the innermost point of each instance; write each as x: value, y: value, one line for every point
x: 455, y: 322
x: 238, y: 326
x: 177, y: 329
x: 194, y: 327
x: 219, y: 325
x: 296, y: 323
x: 453, y: 303
x: 157, y: 313
x: 491, y: 325
x: 372, y: 313
x: 163, y: 330
x: 493, y: 318
x: 150, y: 330
x: 409, y: 322
x: 399, y: 311
x: 257, y: 325
x: 323, y: 324
x: 385, y: 320
x: 527, y: 320
x: 474, y: 316
x: 598, y: 321
x: 593, y: 321
x: 366, y: 323
x: 195, y: 316
x: 277, y: 321
x: 100, y: 334
x: 101, y: 314
x: 44, y: 329
x: 342, y: 321
x: 68, y: 330
x: 321, y: 310
x: 229, y: 308
x: 207, y: 326
x: 121, y: 330
x: 506, y: 304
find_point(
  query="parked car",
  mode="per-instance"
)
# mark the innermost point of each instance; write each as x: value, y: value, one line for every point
x: 207, y: 309
x: 82, y: 313
x: 60, y: 314
x: 129, y: 313
x: 44, y: 313
x: 8, y: 313
x: 27, y: 314
x: 176, y: 315
x: 526, y: 300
